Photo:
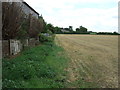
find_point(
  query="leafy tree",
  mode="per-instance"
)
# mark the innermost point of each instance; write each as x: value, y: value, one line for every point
x: 16, y: 25
x: 70, y: 28
x: 23, y: 32
x: 115, y: 33
x: 77, y: 29
x: 57, y: 30
x: 12, y: 19
x: 50, y: 27
x: 43, y: 24
x: 35, y: 27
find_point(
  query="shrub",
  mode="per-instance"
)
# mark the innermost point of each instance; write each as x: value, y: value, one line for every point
x: 46, y: 37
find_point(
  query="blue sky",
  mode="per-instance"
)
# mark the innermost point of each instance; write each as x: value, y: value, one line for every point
x: 96, y: 15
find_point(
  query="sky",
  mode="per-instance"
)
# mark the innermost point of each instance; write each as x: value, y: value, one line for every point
x: 95, y: 15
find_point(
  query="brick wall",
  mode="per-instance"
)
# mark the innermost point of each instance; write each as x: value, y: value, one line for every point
x: 31, y: 42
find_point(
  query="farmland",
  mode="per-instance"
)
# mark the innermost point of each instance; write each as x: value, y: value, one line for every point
x: 93, y: 58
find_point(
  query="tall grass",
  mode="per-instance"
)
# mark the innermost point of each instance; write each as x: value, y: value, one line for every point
x: 39, y: 67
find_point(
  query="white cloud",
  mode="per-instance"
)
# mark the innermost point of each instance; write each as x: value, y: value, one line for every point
x: 62, y: 13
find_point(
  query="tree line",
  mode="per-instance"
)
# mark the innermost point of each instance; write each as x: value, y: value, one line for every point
x: 82, y: 30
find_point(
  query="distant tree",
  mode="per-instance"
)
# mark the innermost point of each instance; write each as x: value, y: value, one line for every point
x: 81, y: 29
x: 115, y: 33
x: 107, y: 33
x: 77, y: 29
x: 70, y: 28
x: 62, y: 28
x: 57, y: 30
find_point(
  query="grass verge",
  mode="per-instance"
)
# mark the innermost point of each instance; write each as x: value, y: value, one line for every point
x: 39, y: 67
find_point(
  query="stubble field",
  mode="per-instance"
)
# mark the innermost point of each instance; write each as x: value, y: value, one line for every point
x: 93, y: 58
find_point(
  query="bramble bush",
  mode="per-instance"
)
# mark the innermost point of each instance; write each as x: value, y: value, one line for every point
x: 47, y: 37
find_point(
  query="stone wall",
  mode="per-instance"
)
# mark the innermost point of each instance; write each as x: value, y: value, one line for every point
x: 13, y: 47
x: 5, y: 48
x: 33, y: 42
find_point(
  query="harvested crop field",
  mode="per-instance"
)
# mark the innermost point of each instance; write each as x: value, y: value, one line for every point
x: 93, y: 58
